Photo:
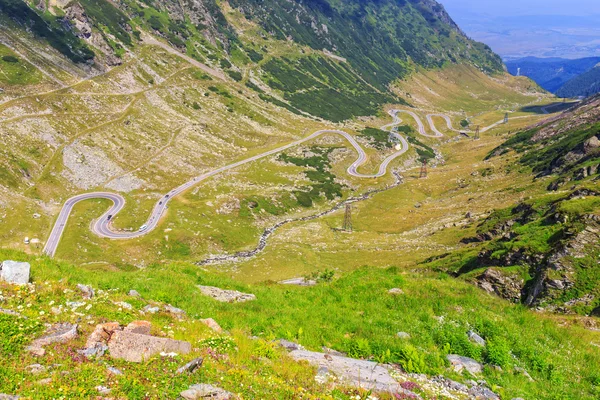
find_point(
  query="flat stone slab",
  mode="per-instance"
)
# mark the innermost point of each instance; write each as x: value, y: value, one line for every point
x: 226, y: 296
x: 299, y: 282
x: 136, y: 347
x: 359, y: 373
x: 15, y: 272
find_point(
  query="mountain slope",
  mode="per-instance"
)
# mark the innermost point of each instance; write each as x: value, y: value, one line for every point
x: 543, y: 251
x: 553, y: 73
x: 586, y: 84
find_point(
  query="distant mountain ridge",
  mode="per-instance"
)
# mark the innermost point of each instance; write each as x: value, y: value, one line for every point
x: 553, y: 74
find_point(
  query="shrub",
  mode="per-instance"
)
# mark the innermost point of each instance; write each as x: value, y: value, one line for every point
x: 498, y: 351
x: 10, y: 59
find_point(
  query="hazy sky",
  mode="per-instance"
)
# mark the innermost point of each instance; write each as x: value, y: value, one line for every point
x: 524, y: 7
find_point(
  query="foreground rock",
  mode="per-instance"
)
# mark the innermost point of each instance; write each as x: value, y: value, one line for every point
x: 137, y: 347
x: 57, y: 333
x: 226, y: 296
x: 15, y: 272
x: 460, y: 363
x: 358, y: 373
x: 205, y: 391
x: 131, y: 343
x: 8, y: 397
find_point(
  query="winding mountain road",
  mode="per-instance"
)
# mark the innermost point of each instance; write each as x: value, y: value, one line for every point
x: 102, y: 226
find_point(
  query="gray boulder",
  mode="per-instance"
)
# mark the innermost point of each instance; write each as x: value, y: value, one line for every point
x: 206, y: 391
x: 460, y: 363
x: 15, y: 272
x: 475, y: 338
x: 8, y: 397
x: 358, y: 373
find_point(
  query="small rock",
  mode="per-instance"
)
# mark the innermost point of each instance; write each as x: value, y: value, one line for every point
x: 36, y: 216
x: 174, y: 310
x: 114, y: 370
x: 35, y: 369
x: 57, y: 333
x: 135, y: 347
x: 396, y: 291
x: 226, y: 296
x: 97, y: 350
x: 403, y: 335
x: 102, y: 333
x: 151, y: 309
x: 9, y: 312
x: 124, y: 305
x: 15, y: 272
x: 103, y: 390
x: 141, y: 327
x: 475, y: 338
x: 289, y: 346
x: 133, y: 293
x: 299, y: 282
x: 212, y: 324
x: 86, y: 291
x: 460, y: 363
x: 205, y: 391
x: 191, y: 366
x: 44, y: 382
x: 525, y: 373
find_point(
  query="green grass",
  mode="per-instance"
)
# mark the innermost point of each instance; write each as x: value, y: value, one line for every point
x: 353, y: 313
x: 16, y: 71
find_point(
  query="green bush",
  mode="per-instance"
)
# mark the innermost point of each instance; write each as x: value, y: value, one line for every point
x: 498, y: 352
x: 10, y: 59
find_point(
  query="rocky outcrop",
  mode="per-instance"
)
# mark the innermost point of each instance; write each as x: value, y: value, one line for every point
x: 15, y: 272
x: 508, y: 286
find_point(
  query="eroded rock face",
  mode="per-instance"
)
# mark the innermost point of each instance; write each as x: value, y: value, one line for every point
x: 226, y: 296
x: 136, y: 347
x: 503, y: 285
x: 15, y: 272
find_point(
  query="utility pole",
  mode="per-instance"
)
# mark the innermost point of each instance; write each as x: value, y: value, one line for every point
x: 423, y: 173
x: 476, y: 133
x: 506, y: 118
x: 348, y: 219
